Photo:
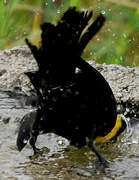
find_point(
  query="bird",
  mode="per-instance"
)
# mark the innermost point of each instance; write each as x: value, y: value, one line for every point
x: 74, y: 99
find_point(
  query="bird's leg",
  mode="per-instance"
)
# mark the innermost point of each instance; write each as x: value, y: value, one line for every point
x: 35, y: 132
x: 101, y: 159
x: 32, y: 143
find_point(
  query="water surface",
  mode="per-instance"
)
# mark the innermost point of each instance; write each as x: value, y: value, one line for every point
x: 55, y: 163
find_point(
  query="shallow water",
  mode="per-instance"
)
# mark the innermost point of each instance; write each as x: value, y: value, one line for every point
x: 55, y: 164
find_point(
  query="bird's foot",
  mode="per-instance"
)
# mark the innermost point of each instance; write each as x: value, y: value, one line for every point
x: 37, y: 153
x: 103, y: 162
x: 101, y: 165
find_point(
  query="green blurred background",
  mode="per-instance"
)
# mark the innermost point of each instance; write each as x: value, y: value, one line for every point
x: 116, y: 43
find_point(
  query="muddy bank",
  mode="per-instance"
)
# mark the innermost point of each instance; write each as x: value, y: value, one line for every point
x: 14, y: 62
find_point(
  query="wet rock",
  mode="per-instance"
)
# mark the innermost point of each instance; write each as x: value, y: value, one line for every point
x: 13, y: 63
x: 82, y: 172
x: 124, y: 81
x: 71, y: 163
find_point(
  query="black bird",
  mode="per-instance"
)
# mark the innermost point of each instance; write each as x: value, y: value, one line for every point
x: 75, y: 101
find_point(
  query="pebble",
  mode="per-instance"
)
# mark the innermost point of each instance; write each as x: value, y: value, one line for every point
x: 83, y: 172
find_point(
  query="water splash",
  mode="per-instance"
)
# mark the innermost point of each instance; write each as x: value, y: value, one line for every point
x: 25, y: 141
x: 128, y: 125
x: 131, y: 136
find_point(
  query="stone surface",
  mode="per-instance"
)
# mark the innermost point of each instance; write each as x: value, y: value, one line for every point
x: 124, y: 81
x: 14, y: 165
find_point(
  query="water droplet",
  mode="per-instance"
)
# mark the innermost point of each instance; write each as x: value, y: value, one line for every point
x: 25, y: 141
x: 60, y: 142
x: 129, y: 41
x: 25, y: 33
x: 124, y: 35
x: 91, y: 53
x: 127, y: 109
x: 133, y: 38
x: 132, y: 51
x: 40, y: 90
x: 103, y: 12
x: 61, y: 89
x: 49, y: 91
x: 135, y: 141
x: 41, y: 132
x: 50, y: 108
x: 76, y: 92
x: 83, y: 9
x: 54, y: 99
x: 121, y: 58
x: 58, y: 11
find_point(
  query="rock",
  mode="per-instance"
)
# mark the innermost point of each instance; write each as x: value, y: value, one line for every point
x: 13, y: 63
x: 124, y: 81
x: 82, y: 172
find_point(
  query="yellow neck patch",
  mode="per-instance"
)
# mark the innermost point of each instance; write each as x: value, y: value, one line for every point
x: 111, y: 134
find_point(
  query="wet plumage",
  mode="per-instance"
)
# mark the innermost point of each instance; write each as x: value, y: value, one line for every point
x: 78, y: 105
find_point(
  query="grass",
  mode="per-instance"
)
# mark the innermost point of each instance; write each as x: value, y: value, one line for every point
x: 116, y: 43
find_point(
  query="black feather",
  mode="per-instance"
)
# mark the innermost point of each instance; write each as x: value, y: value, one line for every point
x: 26, y: 126
x: 76, y: 105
